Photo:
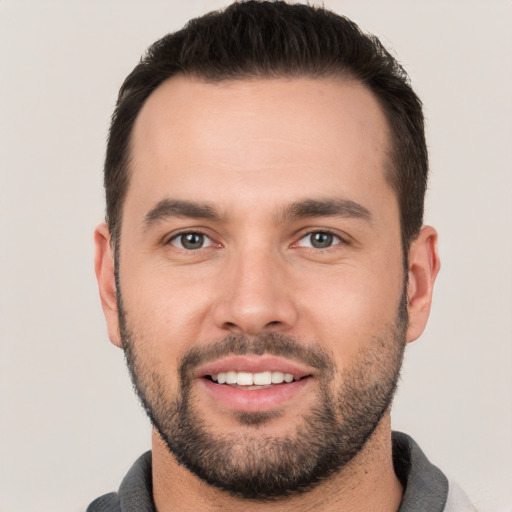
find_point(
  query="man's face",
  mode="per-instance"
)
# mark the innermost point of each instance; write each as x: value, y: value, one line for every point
x: 261, y: 242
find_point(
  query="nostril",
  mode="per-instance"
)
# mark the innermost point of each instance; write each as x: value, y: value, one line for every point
x: 232, y: 327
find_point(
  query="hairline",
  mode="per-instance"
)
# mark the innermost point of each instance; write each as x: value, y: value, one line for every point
x: 340, y: 75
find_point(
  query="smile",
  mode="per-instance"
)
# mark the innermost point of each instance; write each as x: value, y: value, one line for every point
x: 253, y: 380
x: 253, y: 384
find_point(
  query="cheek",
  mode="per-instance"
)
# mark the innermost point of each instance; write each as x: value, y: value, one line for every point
x: 351, y: 309
x: 166, y: 310
x: 162, y: 327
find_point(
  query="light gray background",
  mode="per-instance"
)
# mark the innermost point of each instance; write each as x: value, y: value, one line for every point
x: 70, y: 426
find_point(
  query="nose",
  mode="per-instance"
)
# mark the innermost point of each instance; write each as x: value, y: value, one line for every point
x: 256, y: 296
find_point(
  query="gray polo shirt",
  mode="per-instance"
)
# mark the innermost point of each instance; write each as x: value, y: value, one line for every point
x: 426, y: 487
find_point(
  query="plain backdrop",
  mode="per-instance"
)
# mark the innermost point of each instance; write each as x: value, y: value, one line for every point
x: 70, y: 426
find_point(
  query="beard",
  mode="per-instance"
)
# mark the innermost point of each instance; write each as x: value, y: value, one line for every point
x: 250, y: 463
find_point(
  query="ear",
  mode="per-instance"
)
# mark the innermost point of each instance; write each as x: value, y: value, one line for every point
x: 104, y: 266
x: 424, y: 264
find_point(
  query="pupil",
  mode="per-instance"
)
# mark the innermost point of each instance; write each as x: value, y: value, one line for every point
x: 192, y: 240
x: 321, y: 240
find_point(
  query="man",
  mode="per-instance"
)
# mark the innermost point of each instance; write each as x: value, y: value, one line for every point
x: 264, y: 264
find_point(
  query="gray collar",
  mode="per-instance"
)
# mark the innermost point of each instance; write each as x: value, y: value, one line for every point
x: 426, y: 487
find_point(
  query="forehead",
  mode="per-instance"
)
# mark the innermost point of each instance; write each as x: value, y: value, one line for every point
x: 265, y: 135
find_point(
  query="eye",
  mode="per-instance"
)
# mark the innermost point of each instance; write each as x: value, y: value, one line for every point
x: 191, y: 241
x: 319, y: 240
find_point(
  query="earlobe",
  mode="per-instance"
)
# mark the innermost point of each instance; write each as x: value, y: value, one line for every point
x: 424, y: 264
x: 105, y: 275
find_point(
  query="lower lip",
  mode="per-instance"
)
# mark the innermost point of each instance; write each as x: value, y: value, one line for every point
x: 255, y: 400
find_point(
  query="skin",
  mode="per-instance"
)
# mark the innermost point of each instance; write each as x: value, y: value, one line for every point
x: 249, y: 149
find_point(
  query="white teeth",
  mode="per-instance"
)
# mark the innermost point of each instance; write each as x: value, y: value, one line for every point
x: 263, y: 378
x: 231, y: 378
x: 249, y: 379
x: 245, y: 379
x: 277, y: 377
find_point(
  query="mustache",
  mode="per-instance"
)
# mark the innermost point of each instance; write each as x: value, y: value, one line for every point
x: 271, y: 343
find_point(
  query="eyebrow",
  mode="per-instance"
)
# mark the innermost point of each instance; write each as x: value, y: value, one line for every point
x: 326, y: 208
x: 174, y: 208
x: 344, y: 208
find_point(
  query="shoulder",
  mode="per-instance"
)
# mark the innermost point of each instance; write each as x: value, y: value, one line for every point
x: 135, y: 492
x: 457, y: 501
x: 107, y: 503
x: 426, y: 486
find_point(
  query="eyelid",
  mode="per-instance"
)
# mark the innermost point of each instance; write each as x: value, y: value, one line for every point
x: 168, y: 239
x: 342, y: 239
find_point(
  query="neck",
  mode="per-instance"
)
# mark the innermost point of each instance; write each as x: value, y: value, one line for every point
x: 368, y: 482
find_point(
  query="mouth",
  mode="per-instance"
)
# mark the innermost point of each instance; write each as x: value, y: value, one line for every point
x: 243, y: 383
x: 253, y: 381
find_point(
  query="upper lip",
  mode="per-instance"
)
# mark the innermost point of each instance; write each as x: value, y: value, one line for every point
x: 252, y: 364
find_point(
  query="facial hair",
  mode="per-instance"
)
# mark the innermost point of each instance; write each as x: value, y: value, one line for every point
x: 257, y: 465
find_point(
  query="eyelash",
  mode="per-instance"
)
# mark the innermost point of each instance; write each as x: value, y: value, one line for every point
x: 340, y: 240
x: 177, y: 236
